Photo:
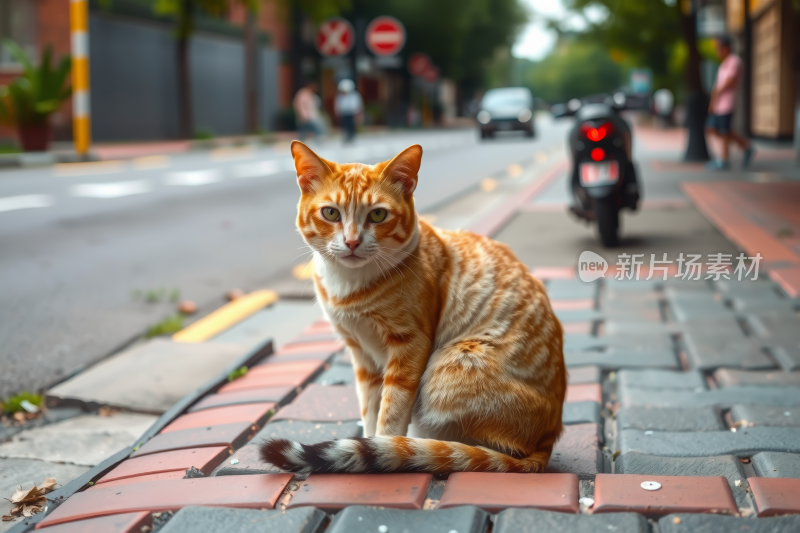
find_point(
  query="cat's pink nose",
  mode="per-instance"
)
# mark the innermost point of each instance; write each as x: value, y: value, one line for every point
x: 352, y: 244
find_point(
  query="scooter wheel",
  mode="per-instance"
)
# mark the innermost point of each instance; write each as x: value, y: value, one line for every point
x: 607, y: 221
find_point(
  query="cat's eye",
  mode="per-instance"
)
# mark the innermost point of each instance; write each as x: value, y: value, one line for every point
x: 377, y: 215
x: 330, y: 214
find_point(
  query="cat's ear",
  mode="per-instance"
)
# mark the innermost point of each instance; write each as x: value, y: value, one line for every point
x: 403, y: 169
x: 310, y: 167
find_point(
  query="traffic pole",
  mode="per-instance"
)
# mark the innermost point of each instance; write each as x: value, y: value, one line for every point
x: 79, y: 30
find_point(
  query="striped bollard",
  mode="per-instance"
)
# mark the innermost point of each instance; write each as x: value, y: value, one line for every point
x: 79, y: 29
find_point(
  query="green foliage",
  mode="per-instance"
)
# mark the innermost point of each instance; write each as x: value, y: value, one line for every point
x: 236, y: 374
x: 32, y: 97
x: 317, y: 10
x: 9, y: 149
x: 168, y: 326
x: 203, y: 134
x: 184, y: 11
x: 640, y: 33
x: 574, y: 70
x: 13, y: 404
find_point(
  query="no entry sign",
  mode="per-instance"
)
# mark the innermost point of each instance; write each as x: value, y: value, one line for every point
x: 418, y: 64
x: 335, y: 37
x: 385, y: 36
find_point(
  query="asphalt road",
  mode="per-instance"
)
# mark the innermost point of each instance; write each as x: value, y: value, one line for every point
x: 78, y: 242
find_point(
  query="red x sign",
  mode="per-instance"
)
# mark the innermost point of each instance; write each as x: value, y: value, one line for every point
x: 335, y: 37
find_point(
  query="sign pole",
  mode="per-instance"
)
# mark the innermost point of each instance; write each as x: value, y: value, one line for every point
x: 79, y: 30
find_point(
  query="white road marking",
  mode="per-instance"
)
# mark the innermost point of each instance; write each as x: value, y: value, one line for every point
x: 193, y: 178
x: 26, y: 201
x: 262, y: 168
x: 110, y: 190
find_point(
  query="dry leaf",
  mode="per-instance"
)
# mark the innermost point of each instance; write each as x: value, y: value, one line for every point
x: 30, y: 502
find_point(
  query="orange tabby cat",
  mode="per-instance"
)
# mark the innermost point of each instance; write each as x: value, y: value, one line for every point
x: 457, y: 353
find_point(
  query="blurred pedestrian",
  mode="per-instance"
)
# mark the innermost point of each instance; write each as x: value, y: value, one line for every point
x: 348, y: 107
x: 306, y: 111
x: 720, y: 107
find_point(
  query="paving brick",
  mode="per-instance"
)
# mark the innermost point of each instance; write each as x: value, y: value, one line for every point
x: 584, y: 374
x: 568, y: 316
x: 744, y: 442
x: 255, y: 492
x: 616, y: 358
x: 280, y: 322
x: 577, y: 452
x: 761, y: 415
x: 669, y: 419
x: 614, y: 493
x: 708, y: 523
x: 329, y: 347
x: 204, y: 459
x: 641, y: 286
x: 312, y: 355
x: 536, y: 521
x: 267, y: 394
x: 580, y: 343
x: 358, y: 519
x: 570, y: 289
x: 788, y: 356
x: 689, y: 310
x: 322, y: 403
x: 731, y: 377
x: 161, y: 476
x: 726, y: 466
x: 711, y: 351
x: 314, y: 336
x: 275, y: 374
x: 248, y: 459
x: 254, y: 413
x: 581, y: 413
x: 167, y: 370
x: 234, y: 435
x: 336, y: 491
x: 337, y: 374
x: 776, y: 464
x: 215, y: 519
x: 776, y: 496
x: 572, y: 305
x: 588, y: 392
x: 661, y: 379
x: 583, y: 328
x: 494, y: 492
x: 118, y: 523
x: 728, y: 397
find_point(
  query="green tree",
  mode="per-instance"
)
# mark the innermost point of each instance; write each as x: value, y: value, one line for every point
x: 184, y: 12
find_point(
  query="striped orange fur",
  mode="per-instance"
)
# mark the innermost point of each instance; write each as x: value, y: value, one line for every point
x: 457, y: 353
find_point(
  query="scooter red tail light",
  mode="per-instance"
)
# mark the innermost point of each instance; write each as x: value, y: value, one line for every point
x: 597, y: 154
x: 599, y: 133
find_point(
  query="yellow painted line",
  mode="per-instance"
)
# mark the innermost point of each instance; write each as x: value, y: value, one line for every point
x: 83, y: 169
x: 150, y: 162
x: 304, y: 270
x: 226, y: 316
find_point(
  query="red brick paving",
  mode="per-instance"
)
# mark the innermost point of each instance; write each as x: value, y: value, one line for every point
x: 234, y: 435
x: 254, y: 413
x: 776, y: 496
x: 204, y: 459
x: 337, y: 491
x: 118, y: 523
x: 274, y: 374
x: 494, y: 492
x: 174, y: 474
x: 788, y: 278
x: 572, y: 305
x: 322, y: 403
x: 250, y: 492
x: 312, y: 347
x: 585, y: 392
x: 266, y: 394
x: 621, y: 493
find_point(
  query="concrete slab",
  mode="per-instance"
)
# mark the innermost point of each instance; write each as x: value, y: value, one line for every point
x: 280, y: 322
x: 25, y: 472
x: 83, y: 440
x: 150, y: 377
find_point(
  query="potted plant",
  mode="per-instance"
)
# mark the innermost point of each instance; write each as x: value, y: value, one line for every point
x: 28, y: 101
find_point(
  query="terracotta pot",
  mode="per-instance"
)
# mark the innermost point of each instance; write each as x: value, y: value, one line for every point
x: 34, y: 137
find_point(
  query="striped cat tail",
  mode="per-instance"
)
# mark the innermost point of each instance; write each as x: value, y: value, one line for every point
x: 394, y: 454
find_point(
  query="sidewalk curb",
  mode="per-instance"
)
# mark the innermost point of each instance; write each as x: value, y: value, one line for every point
x: 96, y: 472
x: 490, y: 224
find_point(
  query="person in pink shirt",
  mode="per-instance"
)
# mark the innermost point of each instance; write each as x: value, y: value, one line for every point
x: 722, y: 102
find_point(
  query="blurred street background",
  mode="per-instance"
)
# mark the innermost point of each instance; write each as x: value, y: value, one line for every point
x: 144, y: 151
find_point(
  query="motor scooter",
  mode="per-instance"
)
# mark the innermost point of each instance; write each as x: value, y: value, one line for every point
x: 603, y: 179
